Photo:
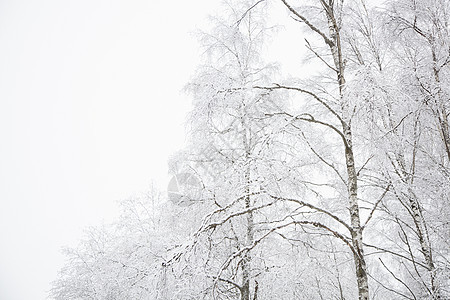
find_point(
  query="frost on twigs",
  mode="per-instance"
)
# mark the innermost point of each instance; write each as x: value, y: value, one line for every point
x: 329, y: 184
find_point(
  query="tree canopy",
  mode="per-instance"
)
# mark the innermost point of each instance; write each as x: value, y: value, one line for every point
x: 331, y: 183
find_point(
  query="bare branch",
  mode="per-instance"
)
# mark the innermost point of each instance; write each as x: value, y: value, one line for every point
x: 246, y: 12
x: 395, y: 253
x: 362, y: 168
x: 313, y: 28
x: 309, y: 47
x: 227, y: 281
x: 311, y: 119
x: 390, y: 289
x: 323, y: 160
x: 236, y: 214
x: 257, y: 241
x: 396, y: 278
x: 375, y: 206
x: 317, y: 98
x: 317, y: 209
x: 398, y: 124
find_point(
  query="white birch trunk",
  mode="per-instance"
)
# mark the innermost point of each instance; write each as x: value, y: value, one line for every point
x: 352, y: 183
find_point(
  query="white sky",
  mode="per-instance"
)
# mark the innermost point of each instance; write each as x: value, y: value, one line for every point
x: 90, y: 109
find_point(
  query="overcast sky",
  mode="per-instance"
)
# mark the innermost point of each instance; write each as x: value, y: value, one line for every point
x: 90, y: 109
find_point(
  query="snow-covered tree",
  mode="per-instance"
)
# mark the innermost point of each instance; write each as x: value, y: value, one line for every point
x: 332, y: 183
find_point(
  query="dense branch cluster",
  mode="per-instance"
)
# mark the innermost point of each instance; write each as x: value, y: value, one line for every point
x: 333, y: 183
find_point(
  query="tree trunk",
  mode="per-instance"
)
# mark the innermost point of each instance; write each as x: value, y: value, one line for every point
x: 416, y: 212
x: 246, y: 260
x: 439, y: 110
x: 352, y: 183
x: 357, y: 241
x: 422, y: 234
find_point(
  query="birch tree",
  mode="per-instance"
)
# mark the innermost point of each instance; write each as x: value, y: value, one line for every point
x: 227, y: 117
x: 416, y: 148
x: 328, y: 184
x: 335, y: 98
